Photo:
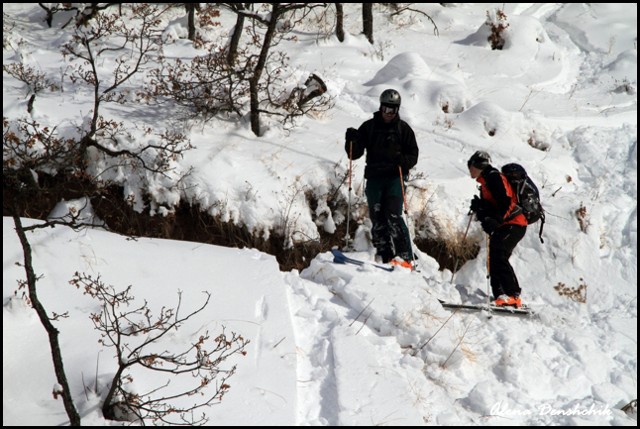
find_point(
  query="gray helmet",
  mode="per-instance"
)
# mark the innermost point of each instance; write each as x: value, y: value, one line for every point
x: 480, y: 160
x: 390, y: 97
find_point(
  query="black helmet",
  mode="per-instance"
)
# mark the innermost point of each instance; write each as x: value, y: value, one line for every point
x: 390, y: 98
x: 479, y: 160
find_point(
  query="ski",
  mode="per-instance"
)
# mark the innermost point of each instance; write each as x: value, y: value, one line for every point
x: 490, y: 308
x: 341, y: 258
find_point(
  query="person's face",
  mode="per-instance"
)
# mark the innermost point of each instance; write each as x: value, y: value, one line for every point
x: 388, y: 113
x: 474, y: 172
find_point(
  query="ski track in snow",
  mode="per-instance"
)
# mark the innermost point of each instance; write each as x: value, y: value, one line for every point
x: 453, y: 349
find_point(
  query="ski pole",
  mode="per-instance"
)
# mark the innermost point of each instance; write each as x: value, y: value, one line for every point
x: 464, y: 237
x: 406, y: 216
x: 349, y: 203
x: 488, y: 270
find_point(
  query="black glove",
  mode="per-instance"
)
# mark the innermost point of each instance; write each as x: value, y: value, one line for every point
x: 482, y: 208
x: 489, y: 225
x: 352, y: 135
x: 476, y: 204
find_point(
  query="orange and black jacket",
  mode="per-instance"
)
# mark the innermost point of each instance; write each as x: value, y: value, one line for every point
x: 499, y: 200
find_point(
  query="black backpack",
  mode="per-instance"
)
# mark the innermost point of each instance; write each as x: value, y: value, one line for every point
x: 527, y: 193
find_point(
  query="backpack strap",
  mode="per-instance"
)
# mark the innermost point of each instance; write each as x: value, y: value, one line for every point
x: 541, y: 227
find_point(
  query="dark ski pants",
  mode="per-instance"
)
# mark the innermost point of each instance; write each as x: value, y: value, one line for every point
x: 389, y: 232
x: 501, y: 245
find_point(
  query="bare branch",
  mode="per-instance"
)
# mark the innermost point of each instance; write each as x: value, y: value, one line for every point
x: 52, y: 332
x: 133, y: 332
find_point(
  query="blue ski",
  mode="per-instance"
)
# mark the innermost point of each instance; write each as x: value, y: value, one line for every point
x: 341, y: 258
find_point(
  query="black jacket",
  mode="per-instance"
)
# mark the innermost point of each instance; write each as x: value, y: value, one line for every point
x: 388, y: 146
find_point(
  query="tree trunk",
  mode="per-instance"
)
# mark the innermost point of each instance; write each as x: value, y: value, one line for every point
x: 235, y: 37
x: 109, y: 404
x: 52, y: 332
x: 191, y: 20
x: 367, y: 21
x: 339, y: 22
x: 257, y: 72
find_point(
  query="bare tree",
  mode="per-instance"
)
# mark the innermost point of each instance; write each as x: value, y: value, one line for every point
x: 254, y: 105
x: 258, y: 79
x: 133, y: 39
x: 109, y: 39
x: 191, y: 9
x: 63, y: 390
x: 339, y: 22
x: 135, y: 335
x: 191, y: 19
x: 367, y: 18
x: 238, y: 8
x: 399, y: 8
x: 31, y: 149
x: 84, y: 12
x: 278, y: 12
x: 367, y: 21
x: 35, y: 81
x: 26, y: 145
x: 50, y: 12
x: 88, y: 11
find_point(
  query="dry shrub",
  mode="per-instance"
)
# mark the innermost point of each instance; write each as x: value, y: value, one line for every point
x: 577, y: 294
x: 581, y: 214
x: 498, y: 24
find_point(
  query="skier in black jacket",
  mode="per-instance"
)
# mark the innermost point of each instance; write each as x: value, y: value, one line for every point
x: 391, y: 149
